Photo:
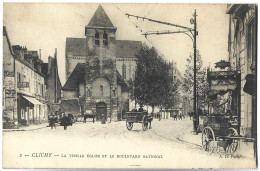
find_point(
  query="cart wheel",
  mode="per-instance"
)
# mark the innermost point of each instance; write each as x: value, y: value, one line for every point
x: 145, y: 123
x: 129, y: 125
x: 208, y: 139
x: 232, y: 143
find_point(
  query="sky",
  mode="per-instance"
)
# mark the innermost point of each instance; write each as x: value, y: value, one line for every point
x: 45, y: 26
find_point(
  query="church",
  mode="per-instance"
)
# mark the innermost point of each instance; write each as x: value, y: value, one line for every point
x: 98, y: 68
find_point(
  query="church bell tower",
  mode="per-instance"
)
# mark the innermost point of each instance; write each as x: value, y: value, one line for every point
x: 101, y: 63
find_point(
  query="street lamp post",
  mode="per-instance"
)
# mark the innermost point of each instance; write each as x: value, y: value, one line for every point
x: 186, y: 31
x: 195, y: 117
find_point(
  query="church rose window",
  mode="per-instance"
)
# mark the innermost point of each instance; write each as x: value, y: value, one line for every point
x: 97, y: 39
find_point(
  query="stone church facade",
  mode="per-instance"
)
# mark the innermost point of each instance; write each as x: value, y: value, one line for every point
x: 93, y: 80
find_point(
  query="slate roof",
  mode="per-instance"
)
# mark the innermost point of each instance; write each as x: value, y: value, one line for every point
x: 77, y: 46
x: 100, y: 19
x: 78, y: 75
x: 127, y: 48
x: 124, y: 48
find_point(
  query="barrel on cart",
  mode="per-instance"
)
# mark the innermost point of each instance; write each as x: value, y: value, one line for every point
x: 137, y: 117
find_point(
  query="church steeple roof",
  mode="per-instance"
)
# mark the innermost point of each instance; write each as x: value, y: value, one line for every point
x: 100, y: 19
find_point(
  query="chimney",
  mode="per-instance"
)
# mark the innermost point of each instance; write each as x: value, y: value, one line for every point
x: 55, y: 55
x: 40, y: 53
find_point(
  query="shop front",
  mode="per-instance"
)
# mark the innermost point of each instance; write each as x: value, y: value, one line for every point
x: 30, y: 110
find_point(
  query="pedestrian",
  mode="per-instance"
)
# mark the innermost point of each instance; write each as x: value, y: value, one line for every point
x: 85, y: 118
x: 140, y: 109
x: 150, y: 119
x: 55, y: 119
x: 175, y: 116
x: 52, y: 121
x: 64, y: 121
x: 103, y: 119
x: 180, y: 116
x: 190, y: 114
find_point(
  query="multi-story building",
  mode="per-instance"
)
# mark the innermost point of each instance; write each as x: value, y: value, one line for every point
x: 181, y: 105
x: 23, y: 85
x: 242, y: 57
x: 177, y: 76
x: 93, y: 80
x: 53, y: 84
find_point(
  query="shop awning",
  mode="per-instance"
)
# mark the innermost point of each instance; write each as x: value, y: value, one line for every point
x: 32, y: 100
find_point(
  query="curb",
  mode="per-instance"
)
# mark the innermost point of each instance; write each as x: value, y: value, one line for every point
x: 179, y: 138
x: 12, y: 130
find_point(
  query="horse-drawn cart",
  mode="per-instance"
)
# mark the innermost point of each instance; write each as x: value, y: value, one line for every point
x: 89, y: 114
x: 137, y: 117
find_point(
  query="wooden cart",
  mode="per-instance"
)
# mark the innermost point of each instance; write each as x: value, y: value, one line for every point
x: 137, y: 117
x: 89, y: 114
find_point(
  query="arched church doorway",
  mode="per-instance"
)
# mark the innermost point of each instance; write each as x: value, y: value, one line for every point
x: 101, y: 108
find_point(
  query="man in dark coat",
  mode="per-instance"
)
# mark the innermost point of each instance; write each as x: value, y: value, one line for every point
x: 52, y: 121
x: 64, y: 121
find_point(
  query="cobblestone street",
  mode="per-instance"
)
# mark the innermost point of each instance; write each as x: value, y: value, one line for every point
x: 93, y: 140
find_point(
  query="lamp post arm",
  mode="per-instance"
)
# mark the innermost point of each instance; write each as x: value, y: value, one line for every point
x: 168, y: 32
x: 161, y: 22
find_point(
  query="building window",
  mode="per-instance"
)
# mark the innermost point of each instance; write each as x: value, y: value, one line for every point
x: 97, y: 39
x: 18, y: 77
x: 105, y: 39
x: 101, y: 90
x: 22, y: 114
x: 88, y: 93
x: 114, y: 93
x: 42, y: 89
x: 124, y: 71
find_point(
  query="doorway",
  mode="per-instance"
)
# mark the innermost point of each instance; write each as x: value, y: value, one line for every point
x: 101, y: 108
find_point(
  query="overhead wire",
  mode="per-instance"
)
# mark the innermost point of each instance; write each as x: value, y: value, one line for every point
x: 161, y: 54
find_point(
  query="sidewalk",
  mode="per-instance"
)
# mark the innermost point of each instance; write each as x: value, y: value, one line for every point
x: 28, y: 128
x: 245, y: 149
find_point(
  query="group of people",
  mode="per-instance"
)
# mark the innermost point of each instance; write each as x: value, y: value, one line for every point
x: 178, y: 116
x: 65, y: 120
